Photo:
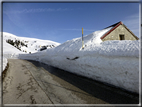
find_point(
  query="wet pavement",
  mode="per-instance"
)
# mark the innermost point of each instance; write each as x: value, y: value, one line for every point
x: 59, y: 86
x: 103, y: 91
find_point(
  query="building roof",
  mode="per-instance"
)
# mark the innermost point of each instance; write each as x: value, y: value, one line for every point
x: 114, y: 26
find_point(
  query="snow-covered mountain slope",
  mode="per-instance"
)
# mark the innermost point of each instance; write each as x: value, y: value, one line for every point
x: 28, y: 45
x: 9, y: 49
x: 113, y: 62
x: 22, y: 45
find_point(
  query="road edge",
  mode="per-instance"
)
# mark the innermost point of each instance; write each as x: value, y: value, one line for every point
x: 5, y: 71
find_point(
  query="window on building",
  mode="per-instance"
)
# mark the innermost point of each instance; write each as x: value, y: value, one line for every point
x: 122, y: 37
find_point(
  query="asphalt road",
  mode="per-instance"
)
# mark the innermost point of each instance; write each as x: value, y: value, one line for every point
x: 31, y: 82
x: 0, y: 92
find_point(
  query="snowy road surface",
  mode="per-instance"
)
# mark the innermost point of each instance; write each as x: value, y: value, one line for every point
x: 31, y: 82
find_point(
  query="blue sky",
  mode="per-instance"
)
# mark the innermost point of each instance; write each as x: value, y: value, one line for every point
x: 60, y: 22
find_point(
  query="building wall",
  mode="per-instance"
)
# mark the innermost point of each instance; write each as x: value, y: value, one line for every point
x: 114, y: 35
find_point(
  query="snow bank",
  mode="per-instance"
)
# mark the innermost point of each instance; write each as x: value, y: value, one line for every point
x: 113, y: 62
x: 4, y: 64
x: 115, y: 67
x: 8, y: 52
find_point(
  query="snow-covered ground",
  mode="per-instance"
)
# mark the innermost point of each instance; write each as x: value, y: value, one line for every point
x: 4, y: 63
x: 112, y: 62
x: 33, y: 45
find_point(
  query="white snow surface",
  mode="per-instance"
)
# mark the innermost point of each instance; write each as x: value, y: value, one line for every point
x: 33, y: 44
x: 4, y: 64
x: 113, y: 62
x: 10, y: 51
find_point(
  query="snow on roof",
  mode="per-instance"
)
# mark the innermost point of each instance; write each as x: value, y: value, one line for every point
x: 94, y: 45
x: 76, y: 44
x: 97, y: 36
x: 114, y: 26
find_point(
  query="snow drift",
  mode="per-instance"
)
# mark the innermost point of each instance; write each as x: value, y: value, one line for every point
x: 3, y: 66
x: 112, y: 62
